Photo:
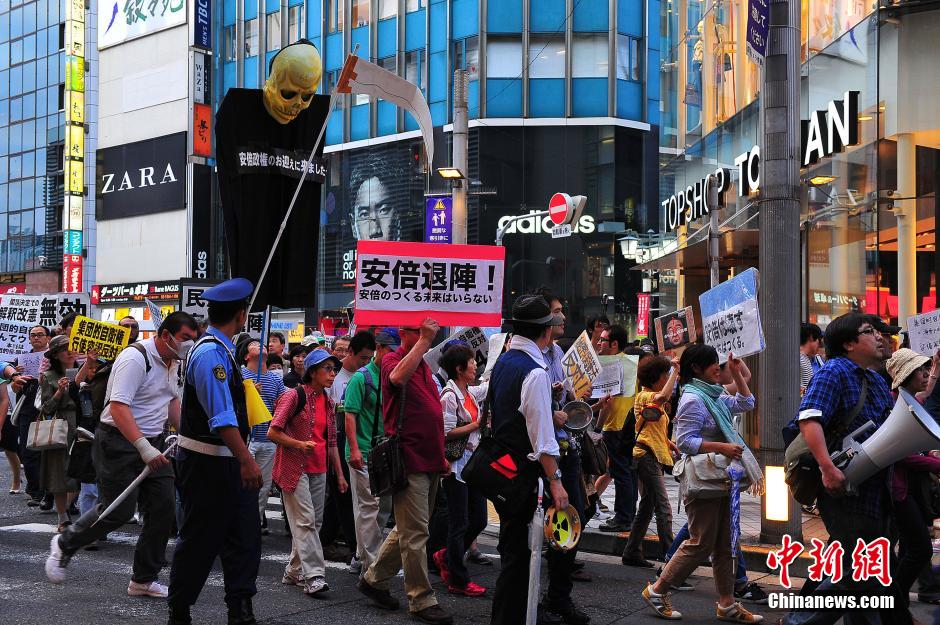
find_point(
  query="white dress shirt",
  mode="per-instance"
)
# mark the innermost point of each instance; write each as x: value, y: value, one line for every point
x: 536, y: 404
x: 453, y: 407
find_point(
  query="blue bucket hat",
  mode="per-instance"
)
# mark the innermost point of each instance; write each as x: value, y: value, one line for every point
x: 389, y: 337
x: 317, y: 356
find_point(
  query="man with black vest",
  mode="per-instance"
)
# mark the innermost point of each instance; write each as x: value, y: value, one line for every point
x: 217, y: 476
x: 521, y: 392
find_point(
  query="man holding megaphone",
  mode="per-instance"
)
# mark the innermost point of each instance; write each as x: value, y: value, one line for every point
x: 843, y: 396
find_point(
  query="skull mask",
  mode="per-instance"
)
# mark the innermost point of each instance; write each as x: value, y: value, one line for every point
x: 295, y: 76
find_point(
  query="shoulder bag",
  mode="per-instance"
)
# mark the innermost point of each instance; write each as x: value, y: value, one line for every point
x: 801, y: 471
x: 702, y: 476
x: 386, y: 465
x: 504, y: 475
x: 48, y: 434
x: 454, y: 448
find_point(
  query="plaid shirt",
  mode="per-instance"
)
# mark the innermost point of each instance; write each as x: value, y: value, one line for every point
x: 288, y: 462
x: 833, y: 391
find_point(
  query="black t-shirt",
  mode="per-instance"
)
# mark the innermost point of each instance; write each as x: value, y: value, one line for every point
x: 260, y: 162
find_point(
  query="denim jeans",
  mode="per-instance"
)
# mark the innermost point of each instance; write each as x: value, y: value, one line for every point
x: 625, y: 484
x: 740, y: 577
x: 466, y: 518
x: 87, y: 498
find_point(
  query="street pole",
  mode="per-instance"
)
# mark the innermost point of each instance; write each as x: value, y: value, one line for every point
x: 780, y: 247
x: 461, y: 139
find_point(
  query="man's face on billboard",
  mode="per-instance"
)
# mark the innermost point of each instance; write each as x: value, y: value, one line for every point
x: 373, y: 215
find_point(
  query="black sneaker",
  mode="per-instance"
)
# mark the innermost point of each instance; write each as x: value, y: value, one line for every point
x: 640, y: 562
x: 752, y: 593
x: 610, y: 525
x: 433, y: 614
x: 46, y: 504
x: 381, y: 598
x: 567, y: 610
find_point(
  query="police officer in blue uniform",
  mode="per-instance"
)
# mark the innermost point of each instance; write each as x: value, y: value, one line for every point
x: 217, y: 477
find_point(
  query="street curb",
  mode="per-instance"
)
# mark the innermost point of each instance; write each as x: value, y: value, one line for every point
x: 613, y: 543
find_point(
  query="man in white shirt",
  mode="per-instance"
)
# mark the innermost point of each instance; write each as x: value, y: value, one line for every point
x: 522, y: 419
x: 140, y: 398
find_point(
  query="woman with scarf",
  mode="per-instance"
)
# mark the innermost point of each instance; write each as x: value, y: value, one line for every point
x: 703, y: 425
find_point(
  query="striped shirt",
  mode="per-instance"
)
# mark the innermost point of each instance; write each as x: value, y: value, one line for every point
x: 272, y: 385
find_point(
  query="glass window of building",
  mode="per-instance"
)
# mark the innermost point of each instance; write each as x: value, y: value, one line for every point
x: 547, y: 56
x: 589, y: 55
x: 414, y: 68
x: 360, y: 13
x: 503, y: 57
x: 389, y: 63
x: 414, y: 5
x: 295, y: 16
x: 272, y: 40
x: 388, y: 8
x: 251, y: 37
x: 334, y: 15
x: 628, y: 57
x: 230, y: 41
x: 331, y: 79
x: 467, y: 56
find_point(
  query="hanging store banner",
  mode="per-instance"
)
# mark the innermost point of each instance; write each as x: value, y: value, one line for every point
x: 107, y: 339
x: 473, y: 337
x: 202, y: 130
x: 72, y: 273
x: 581, y: 366
x: 730, y: 316
x: 135, y: 292
x: 46, y: 310
x: 202, y: 24
x: 924, y: 332
x: 758, y: 29
x: 675, y: 329
x: 404, y: 283
x: 642, y: 315
x: 123, y: 20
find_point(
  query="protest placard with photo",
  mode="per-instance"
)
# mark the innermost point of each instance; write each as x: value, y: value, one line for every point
x: 473, y: 337
x: 924, y: 332
x: 731, y: 318
x: 675, y: 329
x: 581, y: 366
x: 404, y: 283
x: 105, y: 338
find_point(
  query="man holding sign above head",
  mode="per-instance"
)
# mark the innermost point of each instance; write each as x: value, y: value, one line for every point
x: 218, y: 478
x: 140, y: 398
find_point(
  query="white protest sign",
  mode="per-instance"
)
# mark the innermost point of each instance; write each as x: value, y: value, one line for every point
x: 156, y: 315
x: 31, y: 362
x: 610, y: 380
x: 14, y: 337
x: 473, y: 337
x: 403, y: 283
x: 497, y: 343
x: 924, y: 332
x: 581, y: 366
x: 191, y: 297
x: 731, y: 317
x: 46, y: 310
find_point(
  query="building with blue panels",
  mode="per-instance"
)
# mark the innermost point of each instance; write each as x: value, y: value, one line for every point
x: 563, y: 96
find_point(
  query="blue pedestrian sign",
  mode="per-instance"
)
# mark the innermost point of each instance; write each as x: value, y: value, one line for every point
x: 438, y: 218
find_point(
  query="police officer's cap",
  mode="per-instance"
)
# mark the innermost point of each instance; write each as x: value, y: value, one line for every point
x: 535, y: 310
x: 232, y: 290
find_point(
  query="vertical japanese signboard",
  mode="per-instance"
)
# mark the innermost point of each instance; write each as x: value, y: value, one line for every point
x: 642, y: 315
x: 438, y: 217
x: 74, y: 164
x: 758, y: 28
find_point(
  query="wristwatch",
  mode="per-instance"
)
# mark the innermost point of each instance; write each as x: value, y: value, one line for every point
x: 555, y: 476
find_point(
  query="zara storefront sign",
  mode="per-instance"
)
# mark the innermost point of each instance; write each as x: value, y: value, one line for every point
x: 141, y: 178
x: 535, y: 225
x: 823, y: 134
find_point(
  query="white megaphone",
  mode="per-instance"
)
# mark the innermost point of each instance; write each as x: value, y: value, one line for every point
x: 909, y: 429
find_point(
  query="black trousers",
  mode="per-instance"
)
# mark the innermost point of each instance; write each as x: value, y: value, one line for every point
x: 118, y: 464
x: 512, y: 585
x: 561, y: 563
x: 338, y: 515
x: 466, y: 518
x: 914, y: 547
x: 29, y: 458
x: 219, y: 519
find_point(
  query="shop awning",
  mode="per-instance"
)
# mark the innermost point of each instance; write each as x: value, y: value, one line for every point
x: 735, y: 248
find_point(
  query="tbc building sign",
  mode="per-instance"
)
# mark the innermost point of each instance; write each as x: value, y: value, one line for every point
x: 823, y: 134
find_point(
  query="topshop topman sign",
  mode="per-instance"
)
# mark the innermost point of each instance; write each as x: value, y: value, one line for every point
x: 823, y: 134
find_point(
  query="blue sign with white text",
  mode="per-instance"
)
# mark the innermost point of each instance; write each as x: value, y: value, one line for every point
x: 438, y: 218
x: 758, y: 29
x: 202, y: 24
x: 72, y: 242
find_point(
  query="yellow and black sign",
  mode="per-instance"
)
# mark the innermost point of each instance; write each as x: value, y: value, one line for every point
x: 105, y: 338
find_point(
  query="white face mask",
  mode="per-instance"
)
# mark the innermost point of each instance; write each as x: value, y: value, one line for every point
x: 182, y: 349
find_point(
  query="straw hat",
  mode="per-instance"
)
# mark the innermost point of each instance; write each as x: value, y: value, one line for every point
x: 902, y: 364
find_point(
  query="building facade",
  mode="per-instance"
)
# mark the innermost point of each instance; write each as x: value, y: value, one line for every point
x: 560, y: 100
x: 48, y: 131
x: 870, y: 201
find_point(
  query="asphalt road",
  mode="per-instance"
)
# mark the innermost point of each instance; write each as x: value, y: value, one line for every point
x: 95, y: 592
